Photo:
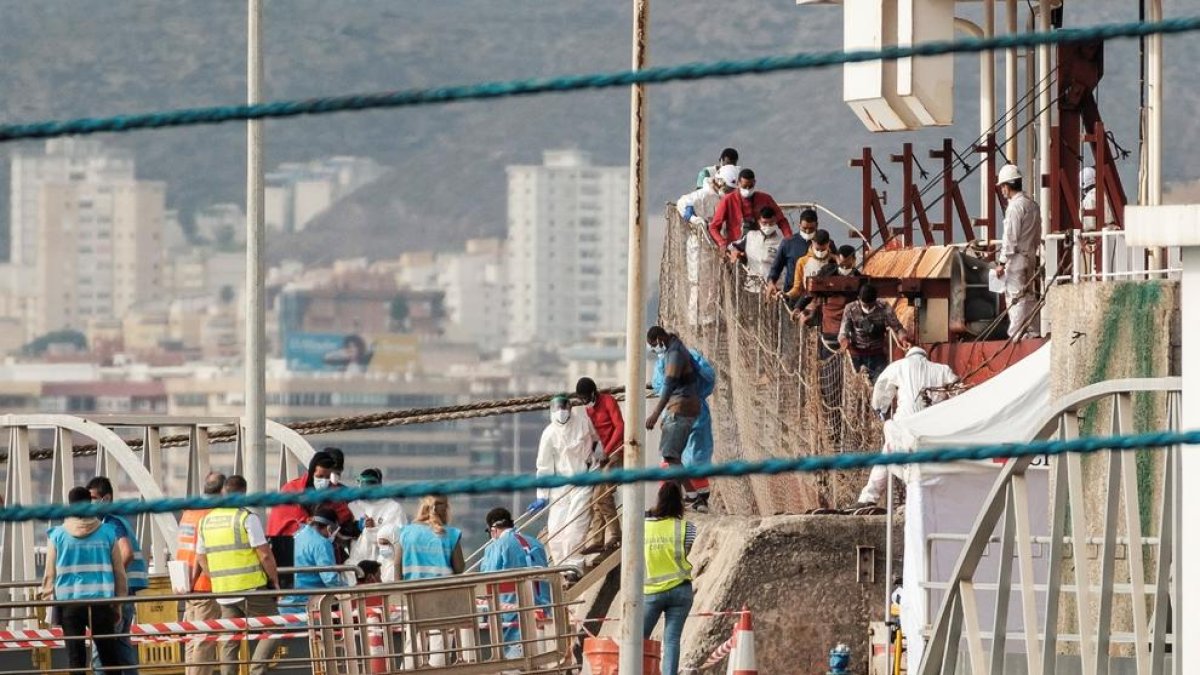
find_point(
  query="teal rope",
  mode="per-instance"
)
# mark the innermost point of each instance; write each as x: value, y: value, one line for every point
x: 490, y: 90
x: 518, y: 483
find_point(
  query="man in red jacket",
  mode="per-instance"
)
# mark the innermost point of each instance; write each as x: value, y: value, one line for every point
x: 605, y: 414
x: 285, y: 520
x: 741, y: 206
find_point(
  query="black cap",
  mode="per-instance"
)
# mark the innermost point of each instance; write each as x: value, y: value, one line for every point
x: 499, y: 517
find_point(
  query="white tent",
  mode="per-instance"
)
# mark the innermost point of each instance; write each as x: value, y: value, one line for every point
x: 943, y: 500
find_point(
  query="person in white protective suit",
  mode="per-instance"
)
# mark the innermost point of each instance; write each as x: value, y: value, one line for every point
x: 1018, y: 261
x: 569, y: 446
x: 697, y: 208
x: 379, y: 520
x: 913, y: 383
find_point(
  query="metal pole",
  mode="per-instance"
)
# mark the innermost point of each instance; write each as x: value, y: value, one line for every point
x: 1010, y: 86
x: 887, y: 564
x: 1154, y: 82
x: 1043, y: 58
x: 255, y: 416
x: 633, y: 496
x: 516, y: 460
x: 1186, y: 615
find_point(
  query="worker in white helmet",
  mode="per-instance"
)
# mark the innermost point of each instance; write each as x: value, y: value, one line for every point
x: 913, y: 383
x: 1017, y: 259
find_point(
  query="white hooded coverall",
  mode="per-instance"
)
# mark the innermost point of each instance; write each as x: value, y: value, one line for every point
x: 566, y: 449
x: 1018, y: 253
x: 904, y: 381
x: 704, y: 204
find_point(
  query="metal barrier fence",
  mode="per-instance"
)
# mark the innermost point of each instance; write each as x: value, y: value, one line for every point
x: 472, y: 623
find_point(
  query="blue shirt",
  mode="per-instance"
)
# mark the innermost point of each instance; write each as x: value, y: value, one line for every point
x: 313, y: 550
x: 136, y: 571
x: 83, y: 565
x: 792, y: 250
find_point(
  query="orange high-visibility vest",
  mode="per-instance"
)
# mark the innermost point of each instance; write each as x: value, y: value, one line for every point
x: 185, y: 549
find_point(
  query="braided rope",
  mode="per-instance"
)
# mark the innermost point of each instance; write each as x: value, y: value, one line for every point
x: 330, y: 425
x: 472, y: 486
x: 527, y: 87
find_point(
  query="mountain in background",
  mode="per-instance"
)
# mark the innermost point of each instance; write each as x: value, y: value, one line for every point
x: 67, y: 59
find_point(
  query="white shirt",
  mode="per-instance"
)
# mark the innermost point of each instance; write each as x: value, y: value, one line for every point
x: 760, y: 250
x: 258, y: 538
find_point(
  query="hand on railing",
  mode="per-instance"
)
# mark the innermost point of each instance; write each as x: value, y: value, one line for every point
x: 802, y: 315
x: 734, y: 255
x: 537, y: 505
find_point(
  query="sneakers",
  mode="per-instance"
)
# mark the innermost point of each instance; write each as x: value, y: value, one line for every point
x: 700, y: 503
x: 861, y: 505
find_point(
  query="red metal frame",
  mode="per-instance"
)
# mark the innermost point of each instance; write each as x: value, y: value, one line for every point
x: 872, y: 203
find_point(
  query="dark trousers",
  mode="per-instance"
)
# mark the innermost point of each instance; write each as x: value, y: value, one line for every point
x: 872, y: 363
x: 283, y: 547
x: 102, y: 619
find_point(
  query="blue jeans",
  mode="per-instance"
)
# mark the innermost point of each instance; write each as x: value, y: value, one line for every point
x: 128, y: 653
x: 675, y: 604
x: 674, y: 438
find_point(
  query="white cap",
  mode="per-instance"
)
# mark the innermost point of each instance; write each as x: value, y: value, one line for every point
x: 915, y: 351
x: 1008, y: 173
x: 729, y: 174
x: 1087, y: 178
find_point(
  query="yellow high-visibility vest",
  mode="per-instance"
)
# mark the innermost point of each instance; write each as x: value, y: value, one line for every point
x: 667, y: 565
x: 233, y: 563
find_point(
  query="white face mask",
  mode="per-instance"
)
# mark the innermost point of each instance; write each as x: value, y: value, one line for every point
x: 561, y: 416
x: 820, y: 255
x: 746, y: 192
x: 845, y: 271
x: 321, y: 483
x: 387, y: 552
x: 658, y: 349
x: 807, y: 236
x: 335, y: 478
x: 768, y: 230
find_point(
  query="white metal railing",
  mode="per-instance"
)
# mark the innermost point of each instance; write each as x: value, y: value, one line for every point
x: 1117, y: 260
x: 1123, y: 592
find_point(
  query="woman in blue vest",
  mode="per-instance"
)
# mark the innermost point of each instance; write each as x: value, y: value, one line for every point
x: 429, y: 547
x: 668, y: 585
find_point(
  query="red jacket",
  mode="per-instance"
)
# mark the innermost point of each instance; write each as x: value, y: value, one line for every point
x: 606, y: 418
x: 286, y: 519
x: 733, y: 209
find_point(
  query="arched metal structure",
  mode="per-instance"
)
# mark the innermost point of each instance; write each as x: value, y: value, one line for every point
x: 1078, y: 636
x: 143, y: 469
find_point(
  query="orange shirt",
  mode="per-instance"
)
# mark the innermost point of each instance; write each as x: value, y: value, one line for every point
x: 185, y: 548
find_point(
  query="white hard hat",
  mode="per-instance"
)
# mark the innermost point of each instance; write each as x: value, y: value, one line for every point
x: 1008, y: 173
x: 729, y: 174
x: 1087, y: 178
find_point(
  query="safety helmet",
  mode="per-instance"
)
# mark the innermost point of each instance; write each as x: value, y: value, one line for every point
x: 1008, y: 173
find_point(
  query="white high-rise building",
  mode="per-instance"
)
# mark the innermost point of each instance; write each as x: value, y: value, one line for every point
x: 566, y: 248
x: 87, y: 236
x: 474, y: 285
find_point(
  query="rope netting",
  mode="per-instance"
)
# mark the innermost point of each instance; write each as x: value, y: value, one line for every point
x: 775, y: 396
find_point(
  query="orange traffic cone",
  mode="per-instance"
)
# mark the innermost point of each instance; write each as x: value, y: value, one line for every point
x: 741, y: 659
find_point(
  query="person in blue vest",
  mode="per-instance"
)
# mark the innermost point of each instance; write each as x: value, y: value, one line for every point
x: 101, y: 490
x: 314, y: 548
x: 83, y: 562
x: 668, y: 584
x: 429, y: 546
x: 699, y: 448
x: 511, y: 550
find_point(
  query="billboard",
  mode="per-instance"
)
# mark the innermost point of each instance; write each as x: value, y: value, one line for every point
x: 349, y: 352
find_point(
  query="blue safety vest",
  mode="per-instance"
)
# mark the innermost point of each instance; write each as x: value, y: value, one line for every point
x: 84, y: 564
x: 136, y: 572
x: 427, y: 555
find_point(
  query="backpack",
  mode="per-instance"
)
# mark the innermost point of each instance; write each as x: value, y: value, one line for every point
x: 706, y: 375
